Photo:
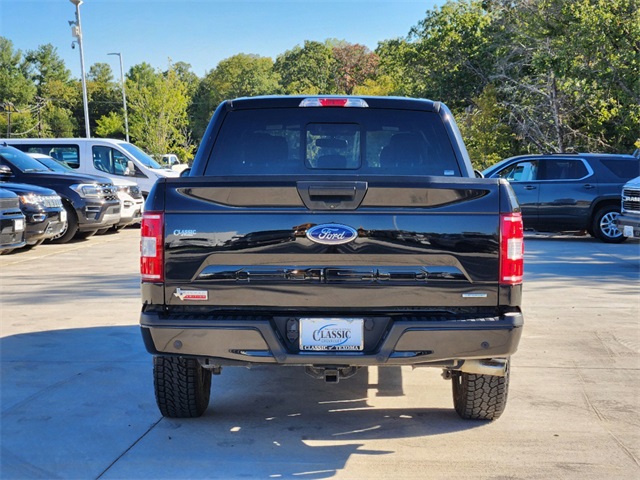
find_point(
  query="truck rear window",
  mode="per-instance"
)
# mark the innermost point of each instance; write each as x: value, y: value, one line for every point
x: 332, y: 140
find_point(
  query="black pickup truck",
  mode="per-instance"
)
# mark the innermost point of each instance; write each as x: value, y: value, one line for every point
x: 332, y: 233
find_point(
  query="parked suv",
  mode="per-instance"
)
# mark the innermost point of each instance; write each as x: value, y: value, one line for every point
x: 131, y: 200
x: 11, y: 222
x: 42, y: 207
x: 629, y: 219
x: 569, y: 192
x: 90, y: 205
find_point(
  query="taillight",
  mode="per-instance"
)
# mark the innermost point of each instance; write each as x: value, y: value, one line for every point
x: 511, y: 249
x: 151, y: 247
x: 333, y: 102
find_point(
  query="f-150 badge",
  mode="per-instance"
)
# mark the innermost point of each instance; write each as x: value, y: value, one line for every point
x: 331, y: 234
x: 191, y: 294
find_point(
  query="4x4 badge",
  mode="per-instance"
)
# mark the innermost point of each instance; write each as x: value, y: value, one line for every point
x: 191, y: 294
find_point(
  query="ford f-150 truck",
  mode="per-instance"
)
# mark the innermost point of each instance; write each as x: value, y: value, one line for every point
x: 332, y: 233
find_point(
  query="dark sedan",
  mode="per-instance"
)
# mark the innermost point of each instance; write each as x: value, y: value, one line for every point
x: 569, y: 192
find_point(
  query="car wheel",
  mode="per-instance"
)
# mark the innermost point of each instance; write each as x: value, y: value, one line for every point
x: 604, y: 225
x: 70, y: 228
x: 182, y: 386
x: 480, y: 397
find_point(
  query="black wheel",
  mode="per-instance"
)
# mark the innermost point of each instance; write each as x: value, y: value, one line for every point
x: 480, y: 397
x: 182, y: 386
x: 70, y: 228
x: 604, y: 225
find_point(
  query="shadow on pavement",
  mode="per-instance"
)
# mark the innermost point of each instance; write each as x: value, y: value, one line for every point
x: 79, y: 404
x: 582, y: 260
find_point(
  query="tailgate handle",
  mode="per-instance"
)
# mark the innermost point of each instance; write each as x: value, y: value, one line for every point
x: 347, y: 193
x: 338, y: 195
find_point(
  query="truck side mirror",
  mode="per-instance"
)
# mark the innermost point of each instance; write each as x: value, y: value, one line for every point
x: 5, y: 172
x: 185, y: 172
x: 131, y: 168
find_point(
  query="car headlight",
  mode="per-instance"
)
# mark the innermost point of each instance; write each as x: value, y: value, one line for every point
x: 32, y: 199
x: 87, y: 190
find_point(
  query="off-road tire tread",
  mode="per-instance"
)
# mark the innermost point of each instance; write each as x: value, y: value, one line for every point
x: 480, y: 397
x: 182, y: 387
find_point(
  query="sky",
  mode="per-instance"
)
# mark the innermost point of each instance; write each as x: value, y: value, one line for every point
x: 200, y: 32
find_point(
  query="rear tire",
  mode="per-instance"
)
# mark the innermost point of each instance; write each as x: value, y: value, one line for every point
x: 604, y: 225
x: 182, y: 387
x: 480, y: 397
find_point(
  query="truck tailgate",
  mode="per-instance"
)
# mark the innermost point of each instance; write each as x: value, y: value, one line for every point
x: 245, y: 242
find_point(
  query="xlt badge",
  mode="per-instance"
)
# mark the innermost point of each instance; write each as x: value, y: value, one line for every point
x: 191, y: 294
x: 331, y: 234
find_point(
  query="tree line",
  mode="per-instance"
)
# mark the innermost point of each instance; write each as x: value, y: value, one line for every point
x: 521, y: 76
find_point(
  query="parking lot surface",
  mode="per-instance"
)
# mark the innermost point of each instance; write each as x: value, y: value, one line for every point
x: 76, y: 390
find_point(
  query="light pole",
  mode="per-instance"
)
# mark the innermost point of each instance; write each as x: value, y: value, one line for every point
x: 76, y: 31
x: 124, y: 96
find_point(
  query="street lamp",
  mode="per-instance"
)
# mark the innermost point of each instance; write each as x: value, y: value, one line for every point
x: 124, y: 96
x: 76, y: 31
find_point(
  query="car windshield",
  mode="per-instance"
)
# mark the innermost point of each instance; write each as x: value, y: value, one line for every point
x: 21, y: 161
x: 54, y: 164
x: 145, y: 159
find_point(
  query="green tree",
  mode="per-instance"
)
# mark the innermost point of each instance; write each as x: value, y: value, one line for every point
x: 110, y: 126
x: 307, y: 69
x: 15, y: 85
x: 54, y: 84
x: 449, y: 58
x: 17, y: 92
x: 485, y: 130
x: 237, y: 76
x: 396, y: 67
x: 105, y: 95
x: 158, y: 113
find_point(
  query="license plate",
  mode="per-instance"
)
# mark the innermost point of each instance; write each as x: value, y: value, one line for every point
x: 627, y: 231
x: 63, y: 215
x: 333, y: 334
x: 18, y: 225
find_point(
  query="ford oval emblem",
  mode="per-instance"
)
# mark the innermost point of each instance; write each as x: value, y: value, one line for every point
x: 331, y: 234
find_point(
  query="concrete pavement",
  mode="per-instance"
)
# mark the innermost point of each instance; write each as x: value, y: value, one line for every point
x: 76, y: 392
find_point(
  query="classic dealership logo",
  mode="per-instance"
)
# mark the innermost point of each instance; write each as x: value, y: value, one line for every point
x: 331, y: 234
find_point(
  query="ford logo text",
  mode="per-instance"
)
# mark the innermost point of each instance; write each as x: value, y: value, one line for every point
x: 331, y: 234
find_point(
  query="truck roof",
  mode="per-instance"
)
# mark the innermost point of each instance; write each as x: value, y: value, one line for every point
x: 292, y: 101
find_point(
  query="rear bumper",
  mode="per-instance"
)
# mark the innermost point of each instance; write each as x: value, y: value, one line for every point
x: 228, y: 341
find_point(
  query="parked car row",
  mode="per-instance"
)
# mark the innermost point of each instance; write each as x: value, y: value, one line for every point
x: 57, y: 204
x: 571, y: 192
x: 120, y: 161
